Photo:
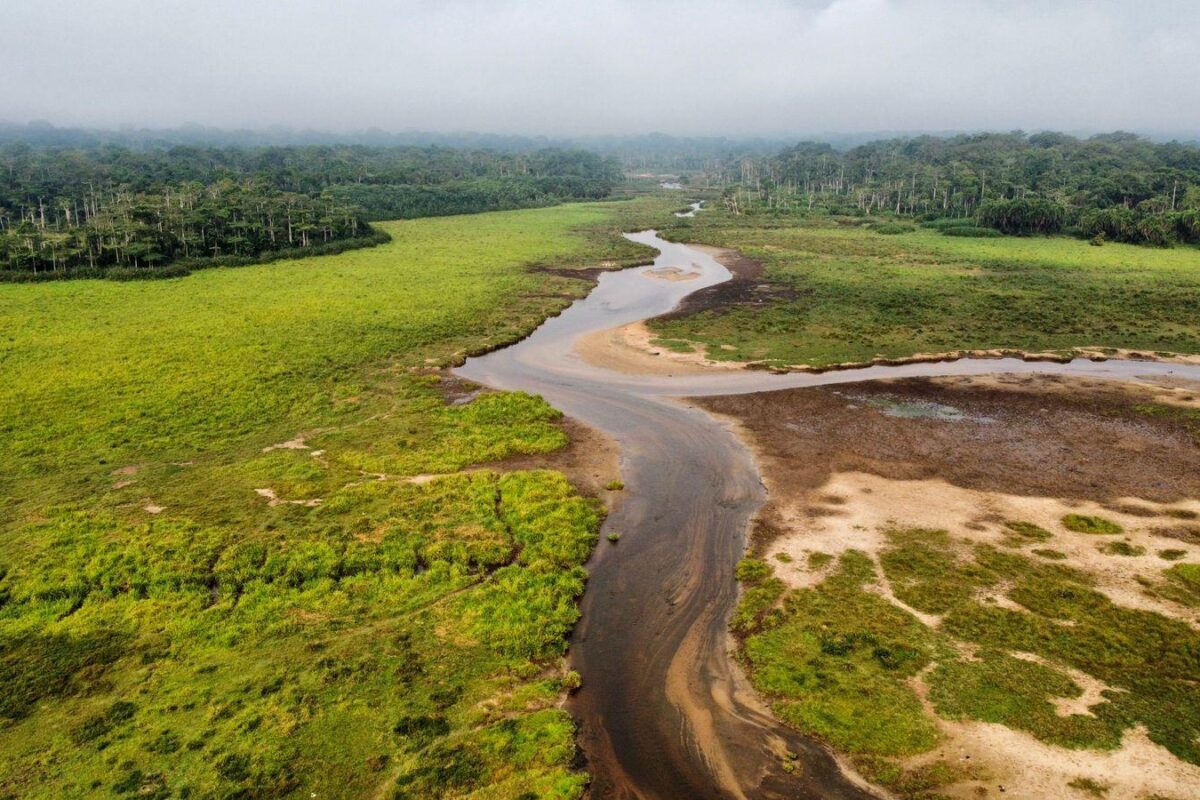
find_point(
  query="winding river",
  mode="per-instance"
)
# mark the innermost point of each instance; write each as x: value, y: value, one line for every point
x: 664, y: 711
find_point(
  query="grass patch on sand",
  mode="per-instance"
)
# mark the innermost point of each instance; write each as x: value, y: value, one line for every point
x: 1099, y: 526
x: 844, y: 293
x: 674, y: 345
x: 1090, y: 787
x: 1181, y: 585
x: 836, y: 663
x: 1122, y: 548
x: 206, y: 588
x: 841, y: 662
x: 996, y: 687
x: 1017, y: 534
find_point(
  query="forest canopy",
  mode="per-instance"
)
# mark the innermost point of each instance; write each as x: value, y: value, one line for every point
x: 118, y: 211
x: 1116, y: 186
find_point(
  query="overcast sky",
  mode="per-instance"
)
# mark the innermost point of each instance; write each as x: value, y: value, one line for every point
x: 762, y: 67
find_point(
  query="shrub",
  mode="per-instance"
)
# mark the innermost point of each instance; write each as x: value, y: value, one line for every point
x: 944, y: 223
x: 1022, y: 216
x: 973, y: 232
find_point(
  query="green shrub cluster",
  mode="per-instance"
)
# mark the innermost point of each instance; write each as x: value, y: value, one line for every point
x: 972, y: 232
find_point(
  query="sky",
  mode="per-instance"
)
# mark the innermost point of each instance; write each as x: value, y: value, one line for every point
x: 701, y: 67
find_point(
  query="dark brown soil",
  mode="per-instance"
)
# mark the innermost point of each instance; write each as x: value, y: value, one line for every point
x: 1032, y: 435
x: 744, y: 289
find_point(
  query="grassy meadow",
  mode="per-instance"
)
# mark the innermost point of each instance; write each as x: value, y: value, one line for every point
x: 215, y: 577
x: 847, y: 293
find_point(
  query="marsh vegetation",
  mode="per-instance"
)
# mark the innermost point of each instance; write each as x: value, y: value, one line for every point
x: 834, y: 291
x: 240, y: 552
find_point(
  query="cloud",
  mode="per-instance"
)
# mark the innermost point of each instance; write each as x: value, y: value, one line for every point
x: 605, y: 66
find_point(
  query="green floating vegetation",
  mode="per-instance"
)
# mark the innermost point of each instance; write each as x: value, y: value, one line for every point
x: 1082, y: 523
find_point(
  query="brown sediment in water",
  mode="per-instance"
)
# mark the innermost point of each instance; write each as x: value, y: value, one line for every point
x: 843, y: 464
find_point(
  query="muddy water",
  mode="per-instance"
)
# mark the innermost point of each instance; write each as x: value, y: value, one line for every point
x: 664, y: 712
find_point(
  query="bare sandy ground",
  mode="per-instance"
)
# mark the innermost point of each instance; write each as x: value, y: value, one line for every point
x: 844, y: 464
x: 864, y: 506
x: 630, y: 349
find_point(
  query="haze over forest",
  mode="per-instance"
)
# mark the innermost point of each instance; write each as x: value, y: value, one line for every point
x: 702, y: 67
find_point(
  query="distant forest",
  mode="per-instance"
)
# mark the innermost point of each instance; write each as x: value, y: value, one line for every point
x: 122, y: 211
x: 1114, y: 187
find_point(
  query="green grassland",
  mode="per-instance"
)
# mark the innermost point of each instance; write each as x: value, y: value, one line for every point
x: 360, y: 635
x: 839, y: 661
x: 845, y: 293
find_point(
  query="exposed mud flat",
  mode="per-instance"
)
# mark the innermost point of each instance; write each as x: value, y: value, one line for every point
x: 841, y: 467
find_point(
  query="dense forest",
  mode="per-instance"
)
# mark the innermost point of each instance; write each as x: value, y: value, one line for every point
x: 121, y: 211
x: 1118, y: 186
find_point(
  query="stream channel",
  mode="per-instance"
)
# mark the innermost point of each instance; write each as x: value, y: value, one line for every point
x: 664, y: 711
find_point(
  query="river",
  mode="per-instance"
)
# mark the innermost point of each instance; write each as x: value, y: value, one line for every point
x: 664, y: 711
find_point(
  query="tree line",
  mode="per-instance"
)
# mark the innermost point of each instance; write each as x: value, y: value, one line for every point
x: 1116, y: 186
x: 117, y: 211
